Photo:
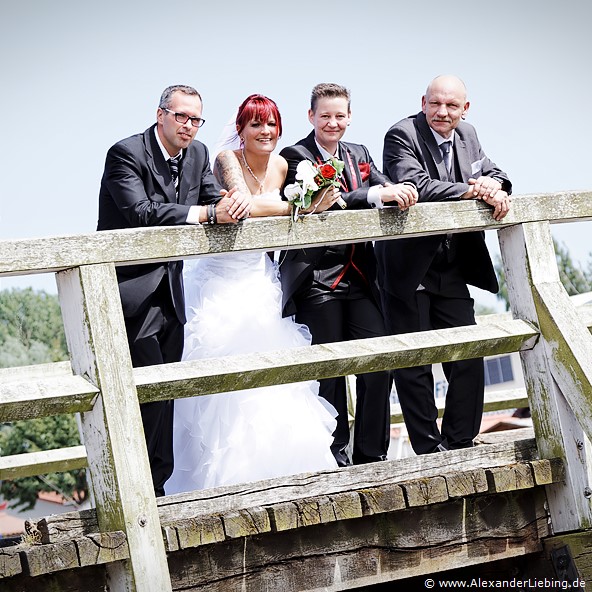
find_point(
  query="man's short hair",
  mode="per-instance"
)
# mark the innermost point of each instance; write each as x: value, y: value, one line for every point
x: 167, y: 93
x: 329, y: 90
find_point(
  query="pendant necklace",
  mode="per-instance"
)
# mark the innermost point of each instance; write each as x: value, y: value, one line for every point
x: 261, y: 183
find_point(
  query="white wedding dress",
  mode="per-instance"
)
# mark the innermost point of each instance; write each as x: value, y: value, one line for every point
x: 233, y: 305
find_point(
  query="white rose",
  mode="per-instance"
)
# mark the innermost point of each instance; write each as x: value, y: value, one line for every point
x: 306, y: 172
x: 293, y: 191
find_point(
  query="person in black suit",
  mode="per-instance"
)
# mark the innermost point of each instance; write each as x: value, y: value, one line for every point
x: 424, y: 280
x: 161, y: 177
x: 332, y: 289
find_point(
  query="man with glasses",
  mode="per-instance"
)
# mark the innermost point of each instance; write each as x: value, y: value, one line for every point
x: 161, y: 177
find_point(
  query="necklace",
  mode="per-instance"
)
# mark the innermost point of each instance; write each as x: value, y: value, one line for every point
x: 261, y: 183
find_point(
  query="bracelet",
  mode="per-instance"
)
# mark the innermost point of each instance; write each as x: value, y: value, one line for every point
x: 211, y: 214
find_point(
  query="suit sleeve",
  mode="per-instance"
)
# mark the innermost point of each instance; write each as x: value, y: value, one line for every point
x: 358, y: 198
x: 124, y: 180
x: 405, y: 161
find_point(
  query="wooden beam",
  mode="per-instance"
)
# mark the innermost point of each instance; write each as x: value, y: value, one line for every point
x: 143, y: 245
x: 215, y: 375
x: 557, y: 371
x: 112, y: 430
x: 17, y: 466
x: 31, y: 398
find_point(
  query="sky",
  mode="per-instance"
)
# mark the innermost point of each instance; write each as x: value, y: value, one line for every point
x: 79, y: 76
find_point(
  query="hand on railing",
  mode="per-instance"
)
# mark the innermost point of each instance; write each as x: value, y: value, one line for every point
x: 490, y: 191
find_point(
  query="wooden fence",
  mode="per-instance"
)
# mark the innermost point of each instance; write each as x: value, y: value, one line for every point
x: 551, y: 335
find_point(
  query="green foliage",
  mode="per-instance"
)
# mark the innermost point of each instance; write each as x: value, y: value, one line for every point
x: 33, y: 435
x: 32, y: 332
x: 575, y: 280
x: 31, y: 328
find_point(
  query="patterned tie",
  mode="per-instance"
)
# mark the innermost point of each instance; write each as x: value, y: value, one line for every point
x: 445, y: 148
x: 174, y: 167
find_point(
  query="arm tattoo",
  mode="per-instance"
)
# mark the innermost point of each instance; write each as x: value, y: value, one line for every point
x: 229, y: 173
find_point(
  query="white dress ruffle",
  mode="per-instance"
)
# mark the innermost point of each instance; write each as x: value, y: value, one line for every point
x: 234, y: 307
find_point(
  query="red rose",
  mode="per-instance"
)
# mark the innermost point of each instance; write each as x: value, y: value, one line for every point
x: 364, y: 170
x: 327, y: 171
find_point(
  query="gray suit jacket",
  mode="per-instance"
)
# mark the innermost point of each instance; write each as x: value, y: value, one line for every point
x: 136, y: 191
x: 411, y: 153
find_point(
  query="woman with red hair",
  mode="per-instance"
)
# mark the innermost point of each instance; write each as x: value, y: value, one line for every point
x: 266, y: 432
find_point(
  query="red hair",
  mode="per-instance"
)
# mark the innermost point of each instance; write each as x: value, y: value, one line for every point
x: 258, y: 108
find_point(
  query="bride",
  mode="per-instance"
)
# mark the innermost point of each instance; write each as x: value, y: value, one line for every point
x: 266, y: 432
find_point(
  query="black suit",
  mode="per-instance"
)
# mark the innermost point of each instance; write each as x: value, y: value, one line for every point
x: 333, y: 291
x: 424, y: 280
x: 137, y: 190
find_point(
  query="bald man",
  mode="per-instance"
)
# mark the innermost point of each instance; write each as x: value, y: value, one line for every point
x: 424, y: 280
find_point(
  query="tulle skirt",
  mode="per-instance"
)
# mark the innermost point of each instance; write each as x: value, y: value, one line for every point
x: 233, y: 307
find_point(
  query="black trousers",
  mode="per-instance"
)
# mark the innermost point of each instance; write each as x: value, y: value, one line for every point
x: 340, y: 320
x: 156, y: 337
x: 424, y: 311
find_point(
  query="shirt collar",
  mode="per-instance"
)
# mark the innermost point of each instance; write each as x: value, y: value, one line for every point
x: 324, y: 153
x: 165, y: 153
x: 439, y: 139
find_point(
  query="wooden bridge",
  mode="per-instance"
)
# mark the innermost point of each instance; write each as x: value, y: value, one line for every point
x: 526, y: 499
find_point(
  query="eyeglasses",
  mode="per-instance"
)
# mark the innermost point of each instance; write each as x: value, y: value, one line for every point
x: 183, y: 118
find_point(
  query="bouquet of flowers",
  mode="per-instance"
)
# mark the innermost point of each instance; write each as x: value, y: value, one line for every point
x: 312, y: 178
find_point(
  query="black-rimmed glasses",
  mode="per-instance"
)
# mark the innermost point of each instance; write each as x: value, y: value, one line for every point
x: 184, y: 118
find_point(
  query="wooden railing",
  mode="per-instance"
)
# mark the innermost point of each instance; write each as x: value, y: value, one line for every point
x: 101, y: 384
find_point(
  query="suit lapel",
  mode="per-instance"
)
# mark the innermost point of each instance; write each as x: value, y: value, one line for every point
x: 464, y: 161
x: 435, y: 152
x: 158, y: 166
x: 351, y: 171
x: 187, y: 164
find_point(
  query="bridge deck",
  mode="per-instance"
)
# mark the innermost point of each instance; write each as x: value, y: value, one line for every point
x: 331, y: 530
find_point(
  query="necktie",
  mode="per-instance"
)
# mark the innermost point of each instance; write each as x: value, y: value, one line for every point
x: 446, y: 154
x: 174, y: 167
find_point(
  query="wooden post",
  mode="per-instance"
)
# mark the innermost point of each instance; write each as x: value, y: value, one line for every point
x: 558, y: 369
x: 113, y: 432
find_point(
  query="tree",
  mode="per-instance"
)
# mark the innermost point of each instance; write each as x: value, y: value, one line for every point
x: 32, y: 332
x: 575, y: 280
x: 42, y: 434
x: 33, y: 317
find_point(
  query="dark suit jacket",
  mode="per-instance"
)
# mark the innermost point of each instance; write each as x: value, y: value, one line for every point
x: 136, y: 191
x: 298, y: 264
x: 411, y: 153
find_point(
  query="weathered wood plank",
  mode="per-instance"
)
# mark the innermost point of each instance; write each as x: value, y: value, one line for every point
x: 144, y: 245
x: 510, y: 478
x: 370, y: 550
x: 423, y: 492
x: 532, y: 276
x: 42, y: 559
x: 547, y: 471
x: 466, y: 483
x: 19, y: 373
x: 246, y: 522
x: 376, y: 484
x: 112, y: 430
x: 198, y: 377
x: 10, y: 562
x: 17, y: 466
x: 28, y: 399
x: 579, y: 545
x: 327, y: 483
x: 100, y: 548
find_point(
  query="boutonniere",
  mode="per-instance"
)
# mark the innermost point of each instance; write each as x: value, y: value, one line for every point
x: 310, y: 179
x: 364, y: 168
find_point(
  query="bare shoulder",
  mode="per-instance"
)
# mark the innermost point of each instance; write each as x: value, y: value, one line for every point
x: 279, y: 163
